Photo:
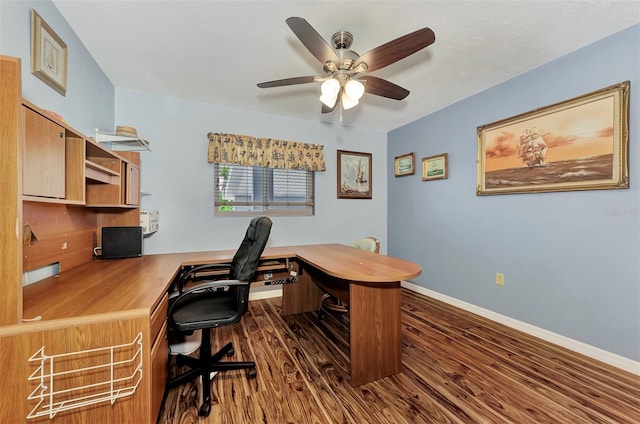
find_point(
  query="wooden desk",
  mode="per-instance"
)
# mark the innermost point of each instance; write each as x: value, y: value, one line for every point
x: 108, y: 302
x: 370, y: 284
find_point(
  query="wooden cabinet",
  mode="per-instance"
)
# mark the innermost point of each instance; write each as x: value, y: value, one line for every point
x: 131, y: 187
x: 76, y: 369
x: 52, y: 159
x: 43, y: 164
x: 60, y: 165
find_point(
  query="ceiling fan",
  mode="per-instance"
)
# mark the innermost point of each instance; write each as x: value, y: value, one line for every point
x: 344, y: 82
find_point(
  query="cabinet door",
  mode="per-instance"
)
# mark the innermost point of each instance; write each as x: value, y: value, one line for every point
x: 159, y: 370
x: 132, y: 185
x: 43, y: 164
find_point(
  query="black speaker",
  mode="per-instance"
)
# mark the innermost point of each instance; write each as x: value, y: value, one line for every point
x: 121, y: 242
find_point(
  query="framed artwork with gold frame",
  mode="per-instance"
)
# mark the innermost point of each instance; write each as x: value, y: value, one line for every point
x: 404, y: 165
x: 577, y: 144
x: 435, y: 167
x: 48, y: 54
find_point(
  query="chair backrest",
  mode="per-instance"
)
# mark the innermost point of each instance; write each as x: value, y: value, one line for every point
x: 245, y: 261
x: 371, y: 244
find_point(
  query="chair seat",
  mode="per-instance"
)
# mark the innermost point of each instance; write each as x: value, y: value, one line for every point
x: 205, y: 313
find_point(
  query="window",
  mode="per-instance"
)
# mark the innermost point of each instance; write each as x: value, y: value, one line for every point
x: 256, y: 190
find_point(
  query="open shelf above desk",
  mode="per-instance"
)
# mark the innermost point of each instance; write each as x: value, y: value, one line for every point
x: 99, y: 173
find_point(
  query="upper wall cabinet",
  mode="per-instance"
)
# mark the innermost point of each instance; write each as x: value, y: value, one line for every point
x: 53, y: 159
x: 60, y: 165
x: 43, y: 164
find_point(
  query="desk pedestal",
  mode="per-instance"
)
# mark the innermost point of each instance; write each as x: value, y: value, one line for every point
x: 374, y: 319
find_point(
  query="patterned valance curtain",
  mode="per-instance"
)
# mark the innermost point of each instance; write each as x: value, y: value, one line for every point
x: 252, y: 151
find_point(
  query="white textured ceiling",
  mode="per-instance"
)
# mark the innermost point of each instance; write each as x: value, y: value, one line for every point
x: 217, y: 51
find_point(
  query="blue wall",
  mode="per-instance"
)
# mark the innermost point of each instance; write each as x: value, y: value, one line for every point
x: 89, y: 100
x: 570, y: 259
x: 181, y: 182
x: 176, y: 172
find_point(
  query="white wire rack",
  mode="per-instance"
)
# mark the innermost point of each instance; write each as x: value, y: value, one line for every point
x: 77, y: 379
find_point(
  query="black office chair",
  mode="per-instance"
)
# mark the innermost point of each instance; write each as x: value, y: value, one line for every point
x: 212, y: 304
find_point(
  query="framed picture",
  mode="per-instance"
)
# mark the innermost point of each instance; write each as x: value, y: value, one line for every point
x: 435, y: 167
x: 354, y: 175
x: 48, y: 54
x: 404, y: 165
x: 578, y: 144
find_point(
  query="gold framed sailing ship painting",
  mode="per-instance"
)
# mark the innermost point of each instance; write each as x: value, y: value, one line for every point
x: 435, y: 167
x: 354, y: 175
x: 578, y: 144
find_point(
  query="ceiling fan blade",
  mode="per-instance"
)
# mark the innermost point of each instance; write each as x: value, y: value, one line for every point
x: 397, y: 49
x: 384, y: 88
x: 287, y: 81
x: 312, y: 40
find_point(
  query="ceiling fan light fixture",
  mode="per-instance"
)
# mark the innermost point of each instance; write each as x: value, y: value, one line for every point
x: 348, y: 102
x: 330, y: 101
x: 354, y: 89
x: 330, y: 88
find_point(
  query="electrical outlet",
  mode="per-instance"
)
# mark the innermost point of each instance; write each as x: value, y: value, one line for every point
x: 499, y: 279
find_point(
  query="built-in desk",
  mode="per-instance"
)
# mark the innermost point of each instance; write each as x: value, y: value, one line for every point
x: 370, y: 284
x: 116, y: 303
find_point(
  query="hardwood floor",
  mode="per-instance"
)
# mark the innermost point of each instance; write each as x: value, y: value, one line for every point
x: 456, y: 368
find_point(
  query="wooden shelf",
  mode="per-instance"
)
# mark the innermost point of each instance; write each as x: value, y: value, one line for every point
x: 110, y: 206
x: 27, y: 198
x: 101, y: 174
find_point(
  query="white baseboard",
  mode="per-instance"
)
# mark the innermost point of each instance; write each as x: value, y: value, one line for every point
x: 574, y: 345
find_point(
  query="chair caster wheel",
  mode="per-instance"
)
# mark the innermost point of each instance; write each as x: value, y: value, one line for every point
x: 205, y: 410
x: 252, y: 373
x: 231, y: 352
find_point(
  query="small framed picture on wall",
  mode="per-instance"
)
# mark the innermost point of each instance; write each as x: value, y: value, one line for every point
x: 435, y: 167
x: 48, y: 54
x: 404, y: 165
x: 354, y: 175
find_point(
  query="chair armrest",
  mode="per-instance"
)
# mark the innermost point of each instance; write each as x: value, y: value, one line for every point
x: 206, y: 267
x: 188, y: 274
x: 215, y: 284
x: 206, y: 285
